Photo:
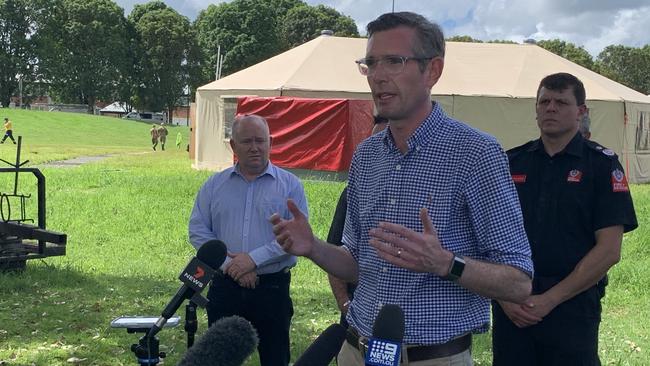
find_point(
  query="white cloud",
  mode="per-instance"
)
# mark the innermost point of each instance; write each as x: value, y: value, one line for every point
x: 593, y: 24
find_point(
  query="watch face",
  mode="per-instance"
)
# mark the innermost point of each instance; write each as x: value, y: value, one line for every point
x: 456, y: 270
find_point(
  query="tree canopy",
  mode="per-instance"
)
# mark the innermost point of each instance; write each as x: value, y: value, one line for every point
x: 304, y: 23
x: 16, y: 48
x: 569, y: 51
x: 164, y: 39
x: 82, y: 48
x: 628, y: 65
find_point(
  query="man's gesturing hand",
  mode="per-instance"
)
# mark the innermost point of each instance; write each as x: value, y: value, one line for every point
x: 295, y: 235
x: 403, y: 247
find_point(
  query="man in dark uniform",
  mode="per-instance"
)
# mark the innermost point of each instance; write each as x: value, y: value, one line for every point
x: 576, y: 206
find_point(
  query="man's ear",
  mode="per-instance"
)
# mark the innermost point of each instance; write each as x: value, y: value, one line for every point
x: 434, y: 69
x: 232, y: 144
x: 270, y: 140
x: 582, y: 110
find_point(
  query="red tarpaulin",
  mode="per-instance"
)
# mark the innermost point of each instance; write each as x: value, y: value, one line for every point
x: 316, y: 134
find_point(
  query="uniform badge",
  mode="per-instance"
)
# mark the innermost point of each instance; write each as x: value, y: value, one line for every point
x: 574, y: 176
x: 609, y: 152
x: 519, y: 178
x: 599, y: 147
x: 619, y: 182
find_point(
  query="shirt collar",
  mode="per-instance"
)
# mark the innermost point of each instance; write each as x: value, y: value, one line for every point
x: 424, y: 133
x: 270, y: 170
x: 574, y: 147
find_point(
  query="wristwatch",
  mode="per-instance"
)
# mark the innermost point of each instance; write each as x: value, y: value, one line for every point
x: 456, y: 269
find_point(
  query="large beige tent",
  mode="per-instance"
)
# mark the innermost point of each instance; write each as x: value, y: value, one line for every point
x: 490, y: 86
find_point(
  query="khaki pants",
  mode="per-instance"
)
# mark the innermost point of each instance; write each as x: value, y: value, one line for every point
x: 350, y: 356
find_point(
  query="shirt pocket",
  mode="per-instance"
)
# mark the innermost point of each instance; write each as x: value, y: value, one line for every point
x: 270, y: 205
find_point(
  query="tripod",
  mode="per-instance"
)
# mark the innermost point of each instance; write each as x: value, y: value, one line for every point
x: 147, y: 350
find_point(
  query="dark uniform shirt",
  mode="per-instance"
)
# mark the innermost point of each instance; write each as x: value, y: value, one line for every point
x: 565, y: 199
x: 335, y: 235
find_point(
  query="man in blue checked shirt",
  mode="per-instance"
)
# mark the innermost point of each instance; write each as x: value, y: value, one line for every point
x: 433, y: 222
x: 234, y: 206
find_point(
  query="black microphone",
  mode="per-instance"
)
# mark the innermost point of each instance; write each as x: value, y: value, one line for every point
x: 324, y: 348
x: 384, y: 347
x: 195, y: 277
x: 228, y: 342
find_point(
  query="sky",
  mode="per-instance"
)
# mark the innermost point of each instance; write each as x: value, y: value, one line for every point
x: 592, y: 24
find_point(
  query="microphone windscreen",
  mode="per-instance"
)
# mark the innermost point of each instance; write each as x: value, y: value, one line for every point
x: 228, y: 342
x: 213, y: 253
x: 389, y: 324
x: 324, y: 348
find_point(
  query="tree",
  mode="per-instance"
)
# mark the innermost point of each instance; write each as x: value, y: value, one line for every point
x: 82, y: 48
x: 244, y: 30
x: 16, y: 48
x: 304, y: 23
x: 629, y: 66
x: 165, y: 41
x: 463, y: 39
x: 569, y: 51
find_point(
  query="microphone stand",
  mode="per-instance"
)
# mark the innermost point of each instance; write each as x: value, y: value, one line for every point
x: 191, y: 323
x: 147, y: 350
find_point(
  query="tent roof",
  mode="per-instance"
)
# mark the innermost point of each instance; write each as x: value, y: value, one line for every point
x: 115, y: 107
x: 326, y: 64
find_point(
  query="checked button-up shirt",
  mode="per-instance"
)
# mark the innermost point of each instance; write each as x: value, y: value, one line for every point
x: 461, y: 176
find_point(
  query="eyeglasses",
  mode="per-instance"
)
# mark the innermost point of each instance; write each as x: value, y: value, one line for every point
x: 393, y: 65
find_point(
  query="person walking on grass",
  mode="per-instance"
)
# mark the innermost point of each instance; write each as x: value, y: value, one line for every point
x: 154, y: 136
x: 8, y: 131
x: 179, y: 140
x: 162, y: 135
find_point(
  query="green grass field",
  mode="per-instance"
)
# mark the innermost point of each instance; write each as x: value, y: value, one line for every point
x: 126, y: 220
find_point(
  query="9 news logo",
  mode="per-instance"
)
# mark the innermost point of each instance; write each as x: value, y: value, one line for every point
x: 382, y: 353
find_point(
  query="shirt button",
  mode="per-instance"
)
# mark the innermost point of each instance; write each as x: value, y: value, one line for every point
x: 384, y: 269
x: 398, y: 167
x: 392, y: 201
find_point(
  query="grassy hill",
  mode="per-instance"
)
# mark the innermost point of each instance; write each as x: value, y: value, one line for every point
x: 50, y: 136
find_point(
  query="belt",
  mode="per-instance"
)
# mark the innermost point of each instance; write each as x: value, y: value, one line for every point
x: 416, y: 353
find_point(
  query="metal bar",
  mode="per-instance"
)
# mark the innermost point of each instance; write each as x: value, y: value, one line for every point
x: 27, y: 231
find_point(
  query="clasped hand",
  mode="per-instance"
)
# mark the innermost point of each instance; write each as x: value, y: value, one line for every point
x: 241, y: 269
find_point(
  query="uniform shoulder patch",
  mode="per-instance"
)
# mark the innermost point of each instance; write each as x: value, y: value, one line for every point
x: 609, y: 152
x: 619, y: 182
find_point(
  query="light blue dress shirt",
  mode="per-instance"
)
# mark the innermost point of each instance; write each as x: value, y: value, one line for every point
x: 231, y: 209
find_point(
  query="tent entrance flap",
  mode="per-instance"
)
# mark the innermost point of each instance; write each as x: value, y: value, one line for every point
x: 308, y: 133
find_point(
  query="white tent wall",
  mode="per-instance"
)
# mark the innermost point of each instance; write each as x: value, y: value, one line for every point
x: 510, y: 120
x: 637, y: 142
x: 208, y: 127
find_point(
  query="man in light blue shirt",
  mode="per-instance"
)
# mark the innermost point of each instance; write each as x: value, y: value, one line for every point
x: 234, y: 206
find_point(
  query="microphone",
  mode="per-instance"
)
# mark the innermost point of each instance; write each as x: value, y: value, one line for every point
x: 228, y: 342
x: 384, y: 347
x: 324, y: 348
x: 196, y: 276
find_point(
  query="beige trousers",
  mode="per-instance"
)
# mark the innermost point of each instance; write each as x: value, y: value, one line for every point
x: 350, y: 356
